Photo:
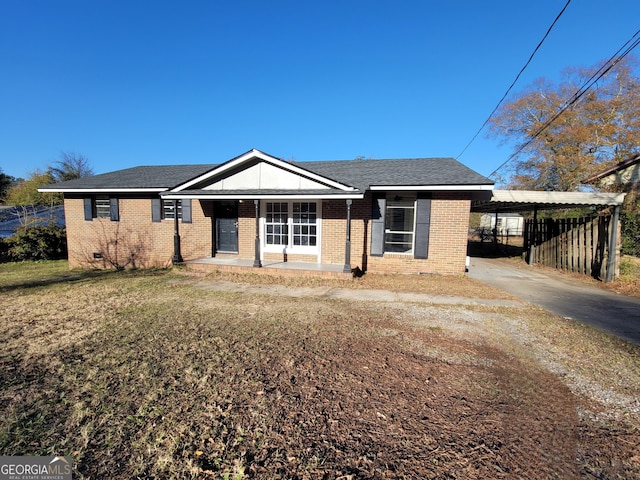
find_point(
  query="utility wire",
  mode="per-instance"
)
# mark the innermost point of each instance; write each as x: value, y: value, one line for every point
x: 516, y: 79
x: 622, y: 52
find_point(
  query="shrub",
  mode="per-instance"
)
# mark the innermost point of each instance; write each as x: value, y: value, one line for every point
x: 37, y: 243
x: 630, y: 223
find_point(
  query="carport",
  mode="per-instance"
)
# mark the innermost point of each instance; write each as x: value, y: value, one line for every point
x: 501, y: 201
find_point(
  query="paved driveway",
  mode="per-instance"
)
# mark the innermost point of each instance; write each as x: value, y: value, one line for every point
x: 562, y: 295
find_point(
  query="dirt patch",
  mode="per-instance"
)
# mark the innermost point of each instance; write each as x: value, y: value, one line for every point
x: 170, y: 381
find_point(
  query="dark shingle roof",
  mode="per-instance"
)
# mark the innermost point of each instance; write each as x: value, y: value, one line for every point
x: 157, y: 176
x: 361, y: 174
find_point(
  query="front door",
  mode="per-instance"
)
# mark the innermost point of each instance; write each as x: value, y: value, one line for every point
x: 226, y: 214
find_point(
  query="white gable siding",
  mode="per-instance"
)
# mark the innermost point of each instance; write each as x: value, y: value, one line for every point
x: 265, y: 176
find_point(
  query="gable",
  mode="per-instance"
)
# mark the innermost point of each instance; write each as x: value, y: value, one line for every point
x: 256, y: 170
x: 262, y: 175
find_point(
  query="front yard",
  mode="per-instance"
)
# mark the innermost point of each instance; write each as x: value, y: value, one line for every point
x: 154, y: 374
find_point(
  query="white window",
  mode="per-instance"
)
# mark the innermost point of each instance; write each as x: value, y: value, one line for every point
x: 305, y: 221
x: 276, y: 224
x: 103, y: 208
x: 293, y: 225
x: 169, y: 209
x: 399, y: 226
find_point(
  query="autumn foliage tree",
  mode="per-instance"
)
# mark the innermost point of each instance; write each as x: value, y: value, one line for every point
x: 599, y: 130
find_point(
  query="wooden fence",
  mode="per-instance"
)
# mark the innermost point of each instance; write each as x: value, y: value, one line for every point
x: 573, y: 244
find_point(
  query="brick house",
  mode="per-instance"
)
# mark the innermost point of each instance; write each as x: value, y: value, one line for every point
x: 621, y: 177
x: 401, y: 215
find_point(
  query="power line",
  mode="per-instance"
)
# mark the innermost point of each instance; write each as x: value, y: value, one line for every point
x: 535, y: 50
x: 622, y: 52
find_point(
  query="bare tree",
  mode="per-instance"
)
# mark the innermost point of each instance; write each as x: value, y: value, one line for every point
x: 70, y: 166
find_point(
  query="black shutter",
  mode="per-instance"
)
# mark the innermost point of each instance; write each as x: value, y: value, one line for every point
x: 423, y: 221
x: 114, y: 211
x: 88, y: 208
x: 156, y: 209
x: 378, y: 213
x: 186, y: 210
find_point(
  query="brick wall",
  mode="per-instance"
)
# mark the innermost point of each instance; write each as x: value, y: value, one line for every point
x: 134, y: 241
x: 447, y: 237
x: 150, y: 243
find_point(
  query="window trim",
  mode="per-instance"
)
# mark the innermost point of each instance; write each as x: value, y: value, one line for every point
x: 109, y: 208
x: 409, y: 204
x: 290, y: 247
x: 168, y: 207
x: 158, y: 210
x: 421, y: 224
x: 101, y: 206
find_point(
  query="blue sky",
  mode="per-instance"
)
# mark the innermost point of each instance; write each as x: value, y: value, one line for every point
x: 130, y: 83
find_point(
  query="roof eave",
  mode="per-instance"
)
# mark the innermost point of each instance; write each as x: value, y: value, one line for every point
x: 262, y: 196
x: 104, y: 190
x: 424, y: 188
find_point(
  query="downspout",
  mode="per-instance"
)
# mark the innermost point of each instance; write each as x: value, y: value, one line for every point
x: 347, y: 250
x: 256, y: 262
x: 177, y: 257
x: 613, y: 245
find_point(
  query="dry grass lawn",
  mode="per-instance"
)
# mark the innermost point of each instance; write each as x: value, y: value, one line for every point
x: 152, y: 374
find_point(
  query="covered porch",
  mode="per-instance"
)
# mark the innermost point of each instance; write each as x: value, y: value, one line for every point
x: 279, y: 268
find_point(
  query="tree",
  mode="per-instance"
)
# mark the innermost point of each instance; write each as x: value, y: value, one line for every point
x: 70, y: 166
x: 26, y: 192
x: 5, y: 183
x: 600, y: 129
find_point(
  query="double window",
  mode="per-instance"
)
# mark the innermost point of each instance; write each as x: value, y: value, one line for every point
x: 291, y: 224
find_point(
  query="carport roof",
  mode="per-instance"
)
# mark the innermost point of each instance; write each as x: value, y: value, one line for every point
x: 523, y: 200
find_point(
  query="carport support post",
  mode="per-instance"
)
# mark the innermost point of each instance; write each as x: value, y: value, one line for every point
x: 534, y: 236
x: 347, y: 248
x: 256, y: 262
x: 613, y: 245
x: 177, y: 256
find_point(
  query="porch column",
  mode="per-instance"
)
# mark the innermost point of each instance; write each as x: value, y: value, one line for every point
x: 613, y: 245
x: 347, y: 248
x: 256, y: 262
x: 177, y: 257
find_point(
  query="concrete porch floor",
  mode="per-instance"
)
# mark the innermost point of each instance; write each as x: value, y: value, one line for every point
x: 269, y: 267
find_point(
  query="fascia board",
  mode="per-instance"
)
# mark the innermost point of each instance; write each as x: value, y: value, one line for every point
x: 339, y: 196
x: 103, y: 190
x: 429, y: 188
